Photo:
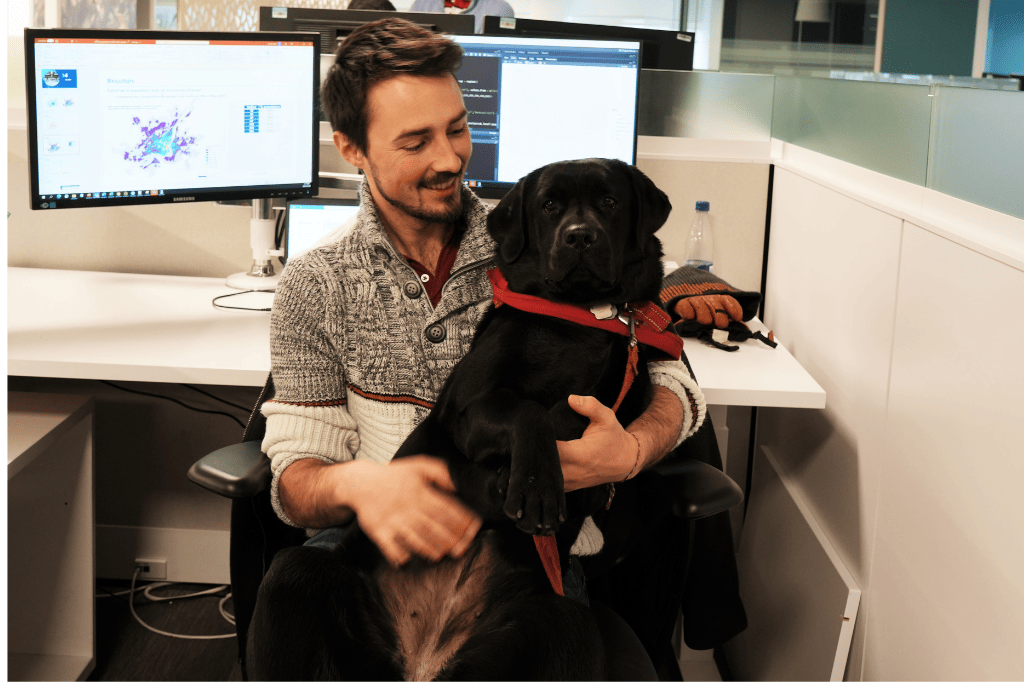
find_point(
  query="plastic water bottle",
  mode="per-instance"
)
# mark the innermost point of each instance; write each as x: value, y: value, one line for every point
x: 700, y: 248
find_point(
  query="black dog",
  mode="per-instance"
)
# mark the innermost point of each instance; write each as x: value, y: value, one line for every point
x: 581, y: 233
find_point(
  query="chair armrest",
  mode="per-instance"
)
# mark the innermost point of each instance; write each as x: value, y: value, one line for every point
x: 237, y: 471
x: 700, y: 489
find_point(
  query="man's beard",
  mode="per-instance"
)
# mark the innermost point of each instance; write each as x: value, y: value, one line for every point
x: 453, y: 204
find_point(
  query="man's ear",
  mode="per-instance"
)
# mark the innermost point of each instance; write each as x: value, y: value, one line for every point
x: 507, y: 223
x: 349, y: 151
x: 652, y: 206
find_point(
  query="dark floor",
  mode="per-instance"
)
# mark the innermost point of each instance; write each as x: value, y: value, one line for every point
x: 127, y: 651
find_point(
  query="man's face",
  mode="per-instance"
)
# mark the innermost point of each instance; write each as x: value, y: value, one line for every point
x: 417, y: 147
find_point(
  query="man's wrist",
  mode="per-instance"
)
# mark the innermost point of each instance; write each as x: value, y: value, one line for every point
x: 638, y: 459
x: 316, y: 494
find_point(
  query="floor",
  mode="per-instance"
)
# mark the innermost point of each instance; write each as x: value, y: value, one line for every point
x: 125, y: 650
x: 695, y: 665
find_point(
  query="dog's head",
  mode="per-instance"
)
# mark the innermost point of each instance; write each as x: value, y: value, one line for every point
x: 582, y: 232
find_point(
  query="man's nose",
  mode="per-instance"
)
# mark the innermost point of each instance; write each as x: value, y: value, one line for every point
x: 447, y: 161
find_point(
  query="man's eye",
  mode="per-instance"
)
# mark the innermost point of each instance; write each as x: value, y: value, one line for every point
x: 458, y: 131
x: 415, y: 147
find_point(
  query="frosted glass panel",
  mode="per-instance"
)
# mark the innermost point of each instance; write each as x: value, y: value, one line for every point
x: 706, y: 105
x: 881, y: 126
x: 977, y: 145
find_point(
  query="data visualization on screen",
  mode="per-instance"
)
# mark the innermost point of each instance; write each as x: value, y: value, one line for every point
x: 145, y: 117
x: 533, y: 101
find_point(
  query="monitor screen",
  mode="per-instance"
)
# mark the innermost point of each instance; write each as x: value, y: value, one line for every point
x: 533, y: 101
x: 310, y: 220
x: 143, y: 117
x: 663, y: 49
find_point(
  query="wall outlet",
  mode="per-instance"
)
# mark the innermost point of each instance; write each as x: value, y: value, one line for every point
x: 152, y: 569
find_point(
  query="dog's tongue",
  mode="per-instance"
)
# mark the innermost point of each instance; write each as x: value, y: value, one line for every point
x: 548, y: 551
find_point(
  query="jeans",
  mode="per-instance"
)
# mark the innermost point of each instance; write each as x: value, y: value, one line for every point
x: 574, y: 583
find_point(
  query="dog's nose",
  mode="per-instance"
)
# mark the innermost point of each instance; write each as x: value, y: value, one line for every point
x: 579, y: 236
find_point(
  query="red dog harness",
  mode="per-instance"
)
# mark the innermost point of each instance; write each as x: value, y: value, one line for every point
x: 644, y: 323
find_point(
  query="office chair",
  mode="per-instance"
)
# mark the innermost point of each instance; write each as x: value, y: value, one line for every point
x: 242, y: 472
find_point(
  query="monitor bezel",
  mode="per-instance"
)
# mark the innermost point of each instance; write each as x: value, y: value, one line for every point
x: 172, y: 196
x: 546, y: 28
x: 500, y: 189
x: 460, y: 24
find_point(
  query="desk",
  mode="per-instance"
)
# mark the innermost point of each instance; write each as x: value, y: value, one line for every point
x: 99, y: 325
x: 50, y: 611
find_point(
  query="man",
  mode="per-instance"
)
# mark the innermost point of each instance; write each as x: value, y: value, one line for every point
x: 365, y: 330
x: 478, y: 8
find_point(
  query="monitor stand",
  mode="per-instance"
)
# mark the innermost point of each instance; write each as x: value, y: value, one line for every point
x: 262, y: 238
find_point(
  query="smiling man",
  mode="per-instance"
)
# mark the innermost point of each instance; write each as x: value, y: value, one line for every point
x: 365, y: 330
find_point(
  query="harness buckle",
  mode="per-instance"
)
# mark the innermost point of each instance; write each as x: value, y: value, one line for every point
x: 627, y: 319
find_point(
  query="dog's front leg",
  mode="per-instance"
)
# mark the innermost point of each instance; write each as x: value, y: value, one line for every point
x: 518, y: 436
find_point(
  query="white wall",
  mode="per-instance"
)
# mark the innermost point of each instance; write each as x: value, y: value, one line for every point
x: 903, y: 313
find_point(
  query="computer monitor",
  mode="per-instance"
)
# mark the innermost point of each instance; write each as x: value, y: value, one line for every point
x: 670, y: 50
x: 147, y: 117
x: 533, y: 101
x: 334, y: 25
x: 310, y: 220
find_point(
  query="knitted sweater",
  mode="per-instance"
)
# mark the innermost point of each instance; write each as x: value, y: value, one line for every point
x: 359, y: 354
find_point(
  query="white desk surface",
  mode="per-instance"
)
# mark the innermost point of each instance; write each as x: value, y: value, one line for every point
x: 103, y: 325
x: 99, y: 325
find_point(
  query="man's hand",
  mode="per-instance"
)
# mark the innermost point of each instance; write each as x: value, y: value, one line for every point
x: 604, y: 454
x: 607, y: 453
x: 408, y: 508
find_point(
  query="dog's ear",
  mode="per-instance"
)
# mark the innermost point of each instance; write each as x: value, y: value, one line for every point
x: 652, y: 205
x: 507, y: 223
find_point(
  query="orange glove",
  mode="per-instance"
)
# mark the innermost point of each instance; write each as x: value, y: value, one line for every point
x: 710, y: 309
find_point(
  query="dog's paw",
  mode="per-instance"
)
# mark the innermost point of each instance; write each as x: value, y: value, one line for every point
x: 502, y: 482
x: 536, y: 503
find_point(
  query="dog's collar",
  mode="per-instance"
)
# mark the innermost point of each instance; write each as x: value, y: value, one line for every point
x: 648, y: 322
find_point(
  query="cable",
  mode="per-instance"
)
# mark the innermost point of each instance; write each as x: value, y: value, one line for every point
x: 148, y: 592
x: 131, y: 606
x: 220, y: 605
x: 217, y: 398
x: 217, y: 304
x: 279, y: 231
x: 173, y: 400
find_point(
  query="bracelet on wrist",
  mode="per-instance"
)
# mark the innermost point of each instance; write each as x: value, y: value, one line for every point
x: 636, y: 465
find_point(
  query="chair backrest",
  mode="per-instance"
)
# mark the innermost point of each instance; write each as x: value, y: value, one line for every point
x: 256, y: 536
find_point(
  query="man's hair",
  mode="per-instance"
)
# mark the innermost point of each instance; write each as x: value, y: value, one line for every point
x: 375, y: 52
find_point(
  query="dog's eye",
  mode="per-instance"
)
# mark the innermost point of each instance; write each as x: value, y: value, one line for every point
x: 548, y: 206
x: 610, y: 203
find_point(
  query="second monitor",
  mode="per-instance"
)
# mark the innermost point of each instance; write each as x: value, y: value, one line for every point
x: 533, y: 101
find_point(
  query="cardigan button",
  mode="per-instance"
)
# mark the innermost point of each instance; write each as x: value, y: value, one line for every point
x: 412, y: 289
x: 382, y: 252
x: 436, y: 333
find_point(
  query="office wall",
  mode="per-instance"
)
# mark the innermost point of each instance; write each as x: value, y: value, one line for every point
x: 738, y: 194
x: 929, y: 37
x: 913, y: 467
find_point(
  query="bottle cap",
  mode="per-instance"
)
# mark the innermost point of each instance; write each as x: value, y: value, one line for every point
x: 703, y: 206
